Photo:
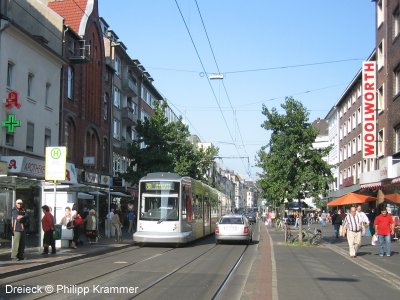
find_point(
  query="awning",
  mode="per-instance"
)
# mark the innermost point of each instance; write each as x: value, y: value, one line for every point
x: 97, y: 193
x: 352, y: 198
x: 374, y: 185
x: 396, y: 180
x: 394, y: 198
x: 85, y: 196
x: 119, y: 194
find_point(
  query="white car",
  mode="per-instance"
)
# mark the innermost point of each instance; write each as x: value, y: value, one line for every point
x: 233, y: 228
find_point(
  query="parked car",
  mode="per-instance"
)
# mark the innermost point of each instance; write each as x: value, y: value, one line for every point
x: 233, y: 228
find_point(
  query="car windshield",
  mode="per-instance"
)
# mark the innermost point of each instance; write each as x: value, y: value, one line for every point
x: 231, y: 220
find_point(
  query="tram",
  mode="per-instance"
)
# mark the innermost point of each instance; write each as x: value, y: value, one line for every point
x: 177, y: 210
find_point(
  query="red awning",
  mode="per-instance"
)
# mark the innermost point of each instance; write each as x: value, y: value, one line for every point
x: 352, y: 198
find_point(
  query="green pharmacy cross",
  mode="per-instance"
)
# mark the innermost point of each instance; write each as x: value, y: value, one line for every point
x: 11, y: 123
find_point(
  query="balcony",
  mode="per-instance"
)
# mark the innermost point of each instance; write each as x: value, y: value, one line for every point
x: 80, y: 52
x: 129, y: 85
x: 128, y: 116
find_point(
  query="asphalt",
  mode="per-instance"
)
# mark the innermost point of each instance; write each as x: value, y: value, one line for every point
x: 285, y: 261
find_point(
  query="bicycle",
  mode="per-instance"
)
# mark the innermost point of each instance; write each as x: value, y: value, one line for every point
x: 279, y: 224
x: 312, y: 237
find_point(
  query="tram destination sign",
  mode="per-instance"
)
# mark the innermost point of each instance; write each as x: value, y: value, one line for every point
x: 159, y: 186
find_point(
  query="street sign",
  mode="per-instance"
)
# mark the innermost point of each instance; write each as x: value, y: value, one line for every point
x: 56, y: 163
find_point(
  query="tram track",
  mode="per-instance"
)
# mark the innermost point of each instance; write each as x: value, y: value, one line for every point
x: 220, y: 288
x: 81, y: 265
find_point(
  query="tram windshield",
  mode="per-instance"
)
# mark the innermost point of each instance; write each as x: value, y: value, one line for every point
x: 159, y: 201
x: 159, y: 207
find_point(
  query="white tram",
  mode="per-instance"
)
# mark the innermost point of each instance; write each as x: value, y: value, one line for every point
x: 175, y: 209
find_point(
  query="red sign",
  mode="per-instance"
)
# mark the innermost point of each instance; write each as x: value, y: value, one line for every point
x: 12, y: 100
x: 369, y: 109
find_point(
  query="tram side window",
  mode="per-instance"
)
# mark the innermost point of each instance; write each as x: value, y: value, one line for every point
x: 197, y: 208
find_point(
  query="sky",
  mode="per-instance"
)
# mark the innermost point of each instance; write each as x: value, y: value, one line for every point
x: 266, y: 50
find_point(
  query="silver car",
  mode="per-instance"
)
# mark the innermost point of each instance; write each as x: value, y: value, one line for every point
x: 233, y: 228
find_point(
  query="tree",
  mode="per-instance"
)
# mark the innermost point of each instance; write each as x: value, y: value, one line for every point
x: 163, y: 146
x: 292, y: 168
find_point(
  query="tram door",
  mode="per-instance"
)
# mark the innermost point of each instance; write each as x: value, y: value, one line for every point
x: 206, y: 215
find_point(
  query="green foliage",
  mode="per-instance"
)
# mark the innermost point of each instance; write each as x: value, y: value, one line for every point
x: 292, y: 168
x: 163, y: 146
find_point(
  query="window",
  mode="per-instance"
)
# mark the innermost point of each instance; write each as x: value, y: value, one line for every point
x: 381, y: 100
x: 106, y: 100
x: 70, y: 83
x: 47, y: 138
x: 30, y: 133
x: 105, y: 153
x: 47, y: 96
x: 144, y: 116
x: 349, y: 149
x: 353, y: 120
x: 396, y: 87
x: 118, y: 67
x: 365, y: 165
x: 381, y: 143
x: 359, y: 142
x: 10, y: 138
x: 349, y: 126
x: 359, y: 115
x: 354, y: 146
x: 358, y: 169
x: 10, y: 68
x: 397, y: 137
x: 116, y: 129
x: 117, y: 97
x: 379, y: 11
x: 396, y: 23
x: 30, y: 84
x: 380, y: 55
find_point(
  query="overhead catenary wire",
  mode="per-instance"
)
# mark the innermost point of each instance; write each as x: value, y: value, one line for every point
x: 223, y: 84
x: 208, y: 80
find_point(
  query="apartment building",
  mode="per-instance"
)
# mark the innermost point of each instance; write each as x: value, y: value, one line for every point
x: 30, y: 71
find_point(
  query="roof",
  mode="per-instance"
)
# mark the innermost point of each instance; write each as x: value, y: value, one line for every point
x: 74, y: 12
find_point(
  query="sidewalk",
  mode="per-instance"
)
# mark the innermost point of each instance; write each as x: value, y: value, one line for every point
x: 311, y: 267
x: 34, y: 260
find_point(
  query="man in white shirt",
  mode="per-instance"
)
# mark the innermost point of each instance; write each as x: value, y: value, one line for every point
x: 363, y: 216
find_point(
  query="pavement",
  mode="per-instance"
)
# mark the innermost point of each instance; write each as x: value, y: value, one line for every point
x: 284, y: 260
x: 34, y: 260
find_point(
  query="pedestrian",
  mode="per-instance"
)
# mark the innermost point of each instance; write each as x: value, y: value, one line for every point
x: 48, y: 228
x: 353, y: 226
x: 371, y: 218
x: 117, y: 225
x: 131, y: 219
x: 364, y: 217
x: 19, y: 219
x: 337, y: 220
x: 91, y: 226
x: 384, y: 228
x: 323, y: 218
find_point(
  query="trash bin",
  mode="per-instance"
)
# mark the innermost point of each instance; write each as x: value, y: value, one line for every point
x: 57, y: 232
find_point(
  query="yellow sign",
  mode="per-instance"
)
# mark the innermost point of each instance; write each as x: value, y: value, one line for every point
x: 56, y: 163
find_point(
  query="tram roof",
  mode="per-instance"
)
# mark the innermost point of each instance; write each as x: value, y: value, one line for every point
x: 160, y: 175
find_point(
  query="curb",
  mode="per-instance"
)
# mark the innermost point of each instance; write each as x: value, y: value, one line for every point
x: 63, y: 261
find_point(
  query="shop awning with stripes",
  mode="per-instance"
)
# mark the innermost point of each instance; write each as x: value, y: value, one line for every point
x: 374, y: 185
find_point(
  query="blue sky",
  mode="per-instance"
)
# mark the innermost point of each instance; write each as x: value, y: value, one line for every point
x: 265, y: 49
